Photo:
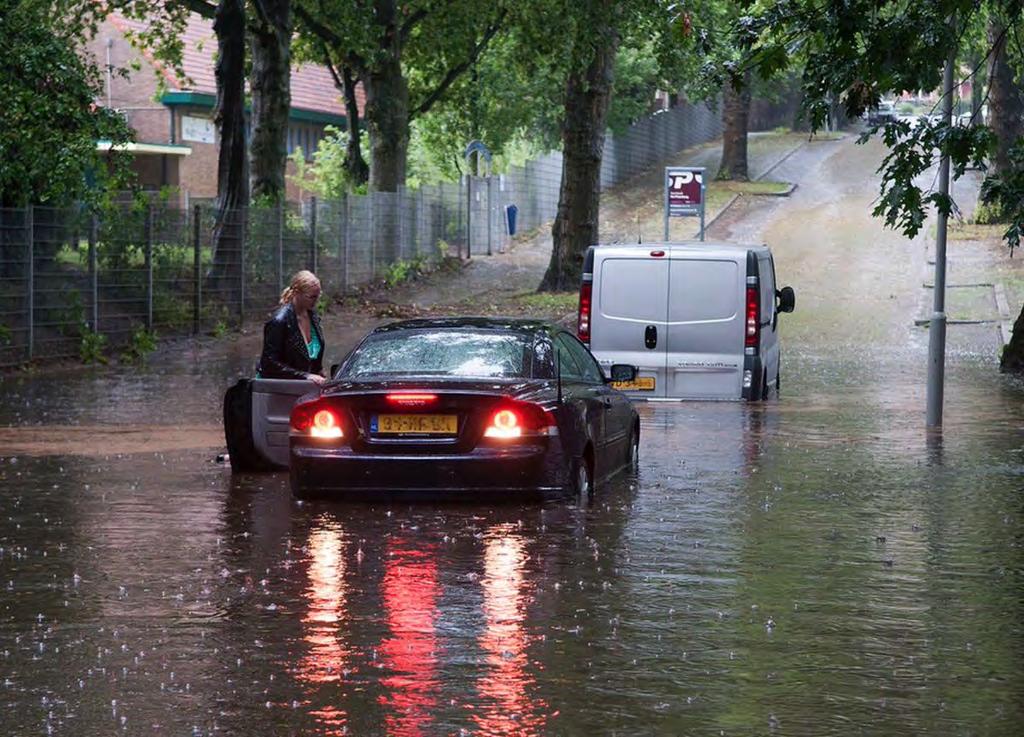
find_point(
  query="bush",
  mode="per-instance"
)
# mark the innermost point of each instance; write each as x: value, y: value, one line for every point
x: 92, y: 346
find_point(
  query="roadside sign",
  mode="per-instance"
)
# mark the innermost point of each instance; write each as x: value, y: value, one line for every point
x: 684, y: 194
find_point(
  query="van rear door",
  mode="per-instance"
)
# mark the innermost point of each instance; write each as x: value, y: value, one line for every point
x: 705, y: 325
x: 630, y: 308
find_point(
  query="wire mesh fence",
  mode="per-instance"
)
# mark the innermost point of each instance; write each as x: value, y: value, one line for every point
x: 72, y: 282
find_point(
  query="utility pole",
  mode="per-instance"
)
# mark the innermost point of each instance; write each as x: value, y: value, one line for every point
x: 937, y: 324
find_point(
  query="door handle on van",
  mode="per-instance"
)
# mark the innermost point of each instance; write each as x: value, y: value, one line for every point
x: 651, y: 336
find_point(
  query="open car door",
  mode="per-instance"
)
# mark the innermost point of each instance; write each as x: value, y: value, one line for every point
x: 272, y: 401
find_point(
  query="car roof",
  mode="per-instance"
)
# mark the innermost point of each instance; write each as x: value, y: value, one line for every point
x: 505, y: 324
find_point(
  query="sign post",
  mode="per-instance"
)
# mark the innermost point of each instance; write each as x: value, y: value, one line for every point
x: 684, y: 194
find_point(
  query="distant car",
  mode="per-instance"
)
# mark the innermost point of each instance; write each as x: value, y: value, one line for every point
x: 464, y: 405
x: 881, y: 115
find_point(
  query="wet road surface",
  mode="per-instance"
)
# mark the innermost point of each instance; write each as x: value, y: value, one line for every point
x: 816, y: 565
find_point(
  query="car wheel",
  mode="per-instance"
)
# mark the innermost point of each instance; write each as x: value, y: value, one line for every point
x: 242, y: 452
x: 582, y: 478
x: 633, y: 454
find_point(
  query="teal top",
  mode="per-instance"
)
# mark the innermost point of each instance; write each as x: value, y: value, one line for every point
x: 313, y: 347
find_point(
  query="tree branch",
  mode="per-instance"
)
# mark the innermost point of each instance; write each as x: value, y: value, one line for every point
x: 459, y: 69
x: 201, y: 7
x: 410, y: 22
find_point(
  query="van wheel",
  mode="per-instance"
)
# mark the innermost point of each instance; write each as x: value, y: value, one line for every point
x: 764, y: 385
x: 778, y: 390
x: 242, y: 451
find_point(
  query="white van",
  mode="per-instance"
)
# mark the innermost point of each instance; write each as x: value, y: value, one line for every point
x: 699, y: 319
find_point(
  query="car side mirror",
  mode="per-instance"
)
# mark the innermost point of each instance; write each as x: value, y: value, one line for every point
x: 622, y: 372
x: 787, y: 299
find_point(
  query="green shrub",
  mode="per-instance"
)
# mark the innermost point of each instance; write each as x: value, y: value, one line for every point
x: 140, y: 345
x: 92, y: 346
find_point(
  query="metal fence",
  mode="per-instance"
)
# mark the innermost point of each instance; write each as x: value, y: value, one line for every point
x: 70, y: 281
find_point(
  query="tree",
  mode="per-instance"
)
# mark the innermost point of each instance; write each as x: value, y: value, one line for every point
x: 379, y: 40
x: 735, y: 121
x: 270, y: 82
x: 49, y: 124
x: 848, y: 46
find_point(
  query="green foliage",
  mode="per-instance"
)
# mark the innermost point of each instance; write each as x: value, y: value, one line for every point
x: 1003, y: 197
x: 140, y: 345
x: 49, y: 124
x: 220, y: 329
x: 92, y: 347
x: 325, y: 177
x: 404, y: 270
x: 6, y: 334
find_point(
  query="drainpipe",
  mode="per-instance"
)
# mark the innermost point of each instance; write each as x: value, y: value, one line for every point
x: 110, y: 72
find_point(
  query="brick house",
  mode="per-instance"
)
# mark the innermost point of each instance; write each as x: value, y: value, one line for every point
x: 176, y: 139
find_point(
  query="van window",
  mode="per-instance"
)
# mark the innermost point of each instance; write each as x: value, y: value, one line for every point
x: 633, y: 288
x: 703, y: 289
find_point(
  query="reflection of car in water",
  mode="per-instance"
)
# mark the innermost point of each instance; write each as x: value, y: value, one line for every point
x: 460, y: 404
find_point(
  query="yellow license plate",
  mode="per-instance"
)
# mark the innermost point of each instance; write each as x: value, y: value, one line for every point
x: 641, y: 384
x: 415, y: 424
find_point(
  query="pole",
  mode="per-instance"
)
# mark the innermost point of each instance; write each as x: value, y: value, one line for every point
x: 30, y: 282
x: 94, y: 281
x: 280, y: 246
x: 197, y: 294
x: 149, y: 267
x: 937, y: 324
x: 312, y: 235
x: 347, y: 242
x: 243, y: 230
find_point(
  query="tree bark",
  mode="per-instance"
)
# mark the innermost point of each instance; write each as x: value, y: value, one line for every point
x: 1005, y: 100
x: 387, y: 105
x: 270, y: 82
x: 232, y: 160
x: 735, y: 119
x: 587, y: 99
x: 355, y: 164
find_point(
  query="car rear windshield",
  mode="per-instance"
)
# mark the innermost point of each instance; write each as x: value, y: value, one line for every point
x: 462, y: 353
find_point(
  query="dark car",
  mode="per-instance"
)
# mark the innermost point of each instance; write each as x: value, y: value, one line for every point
x: 464, y: 405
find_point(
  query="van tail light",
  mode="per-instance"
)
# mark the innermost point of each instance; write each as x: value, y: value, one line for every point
x: 583, y: 324
x: 753, y: 334
x: 317, y: 419
x: 514, y: 420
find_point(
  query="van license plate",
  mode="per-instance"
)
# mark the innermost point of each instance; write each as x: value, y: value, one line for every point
x: 640, y: 384
x: 414, y: 424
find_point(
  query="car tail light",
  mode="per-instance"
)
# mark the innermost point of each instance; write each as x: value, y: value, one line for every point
x: 411, y: 399
x: 753, y: 334
x: 317, y: 420
x: 511, y: 420
x: 583, y: 324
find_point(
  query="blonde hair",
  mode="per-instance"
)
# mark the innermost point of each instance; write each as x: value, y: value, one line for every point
x: 302, y: 281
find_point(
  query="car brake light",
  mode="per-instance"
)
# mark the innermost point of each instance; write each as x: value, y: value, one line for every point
x: 325, y: 425
x: 520, y: 419
x: 753, y: 333
x: 583, y: 325
x: 411, y: 399
x: 504, y: 424
x: 316, y: 420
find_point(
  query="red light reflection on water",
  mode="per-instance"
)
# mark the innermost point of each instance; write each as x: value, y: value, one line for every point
x: 326, y: 656
x: 410, y: 591
x: 506, y: 708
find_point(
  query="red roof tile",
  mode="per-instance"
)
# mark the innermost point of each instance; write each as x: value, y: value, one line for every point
x: 312, y: 85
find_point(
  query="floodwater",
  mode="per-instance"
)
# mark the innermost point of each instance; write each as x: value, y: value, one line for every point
x: 817, y: 565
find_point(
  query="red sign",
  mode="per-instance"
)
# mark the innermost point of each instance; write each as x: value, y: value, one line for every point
x: 685, y: 189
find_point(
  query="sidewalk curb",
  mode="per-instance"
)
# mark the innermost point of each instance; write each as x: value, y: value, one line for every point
x: 716, y: 216
x: 774, y: 166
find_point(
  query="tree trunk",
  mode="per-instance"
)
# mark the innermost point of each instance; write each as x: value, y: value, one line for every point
x: 232, y: 161
x: 587, y: 98
x: 387, y: 105
x: 355, y: 165
x: 271, y: 98
x: 735, y: 118
x: 1005, y: 101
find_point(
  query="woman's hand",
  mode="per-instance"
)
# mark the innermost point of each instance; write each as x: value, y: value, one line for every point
x: 316, y: 379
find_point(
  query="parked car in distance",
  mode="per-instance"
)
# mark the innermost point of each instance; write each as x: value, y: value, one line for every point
x: 699, y: 319
x: 885, y: 112
x: 462, y: 406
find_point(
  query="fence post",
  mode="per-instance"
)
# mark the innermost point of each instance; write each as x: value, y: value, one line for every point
x: 244, y: 230
x: 419, y: 219
x: 490, y: 213
x: 94, y: 281
x: 312, y: 232
x: 373, y: 235
x: 197, y: 293
x: 400, y: 214
x: 346, y: 243
x: 148, y: 231
x: 280, y: 247
x: 30, y: 228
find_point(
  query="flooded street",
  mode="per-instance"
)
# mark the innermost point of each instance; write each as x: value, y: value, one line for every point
x: 817, y: 565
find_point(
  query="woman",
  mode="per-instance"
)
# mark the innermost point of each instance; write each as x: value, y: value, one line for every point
x: 293, y: 344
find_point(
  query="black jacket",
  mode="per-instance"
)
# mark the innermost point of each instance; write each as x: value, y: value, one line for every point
x: 284, y: 349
